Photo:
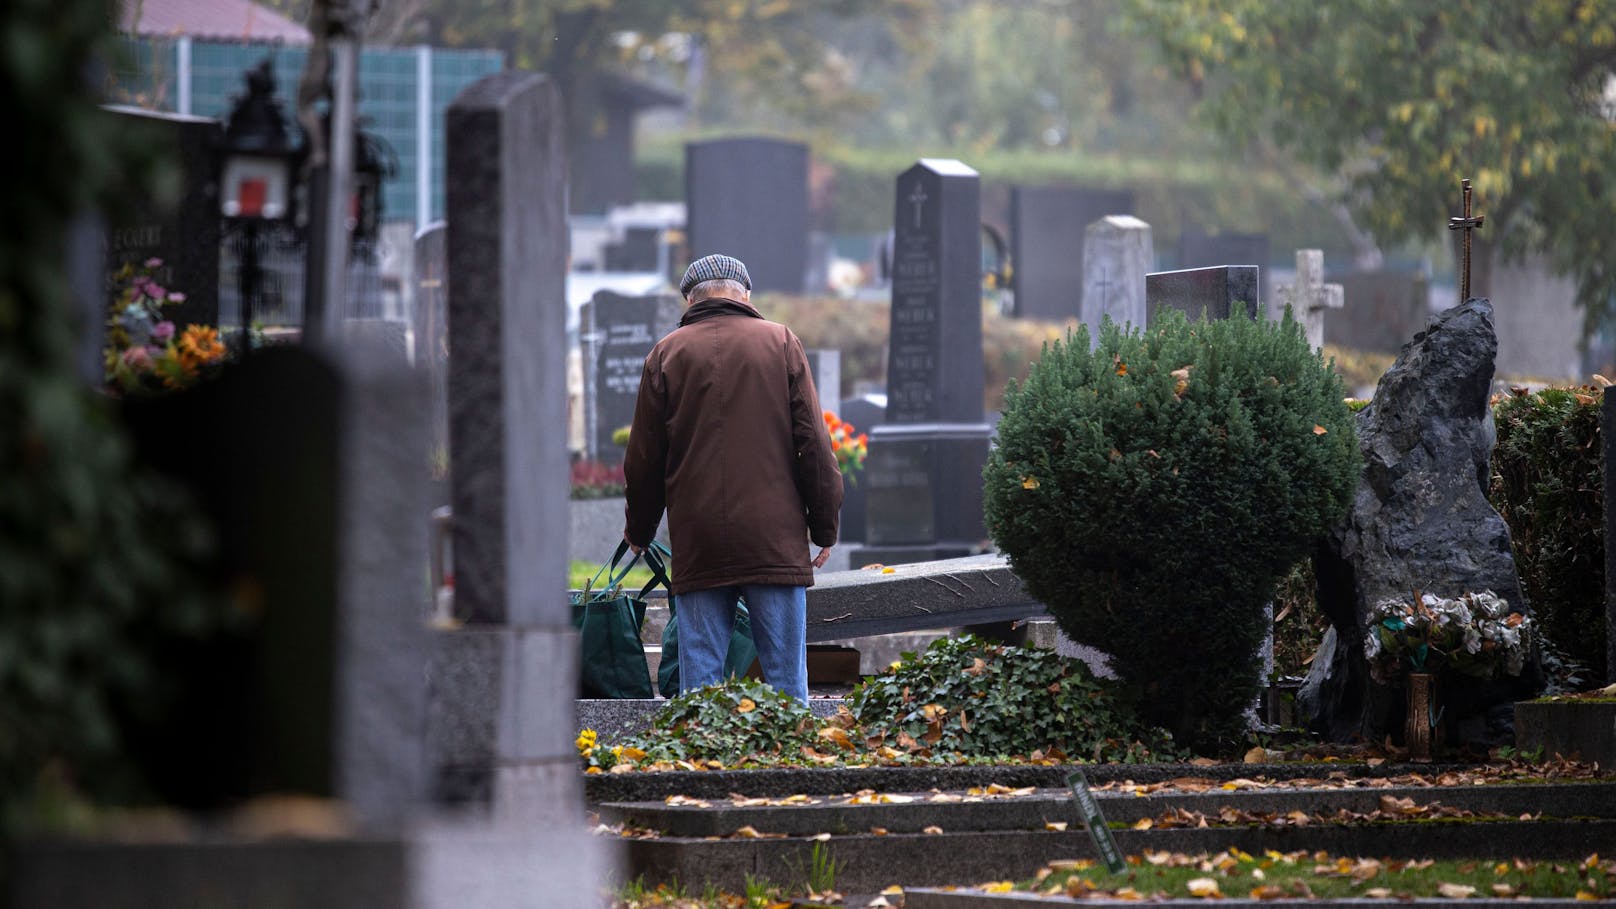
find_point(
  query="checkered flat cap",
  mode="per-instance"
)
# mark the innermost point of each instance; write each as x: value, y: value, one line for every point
x: 714, y: 268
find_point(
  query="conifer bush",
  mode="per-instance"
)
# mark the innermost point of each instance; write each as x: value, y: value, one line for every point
x: 1154, y: 491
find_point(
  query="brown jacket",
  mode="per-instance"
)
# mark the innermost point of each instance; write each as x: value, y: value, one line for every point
x: 729, y: 438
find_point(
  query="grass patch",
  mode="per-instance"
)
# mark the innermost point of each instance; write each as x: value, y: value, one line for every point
x: 580, y: 572
x: 1317, y: 875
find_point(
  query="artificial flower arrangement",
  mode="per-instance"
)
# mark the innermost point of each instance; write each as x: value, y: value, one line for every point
x: 145, y: 353
x: 1475, y: 634
x: 849, y: 444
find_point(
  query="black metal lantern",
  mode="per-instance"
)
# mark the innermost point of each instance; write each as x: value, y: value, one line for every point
x: 257, y: 163
x: 257, y: 168
x: 374, y: 164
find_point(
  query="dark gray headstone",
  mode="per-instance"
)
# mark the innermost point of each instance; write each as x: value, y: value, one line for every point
x: 1217, y: 292
x: 748, y: 198
x: 1199, y: 250
x: 865, y: 415
x: 1382, y: 311
x: 1420, y: 520
x: 183, y: 232
x: 934, y: 364
x: 621, y: 330
x: 515, y: 663
x: 637, y: 251
x: 1046, y: 245
x: 1607, y: 433
x: 924, y: 470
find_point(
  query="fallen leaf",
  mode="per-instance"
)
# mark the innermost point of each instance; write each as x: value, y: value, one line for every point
x: 1267, y: 892
x: 1029, y: 482
x: 1143, y: 823
x: 747, y: 705
x: 1319, y: 430
x: 1257, y: 755
x: 933, y: 830
x: 1203, y: 887
x: 1057, y: 826
x: 1455, y: 891
x: 998, y: 887
x: 878, y: 831
x: 821, y: 837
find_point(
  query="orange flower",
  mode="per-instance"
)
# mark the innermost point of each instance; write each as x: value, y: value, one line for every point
x: 200, y: 346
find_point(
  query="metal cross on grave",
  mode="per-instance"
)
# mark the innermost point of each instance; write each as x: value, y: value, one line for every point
x: 1309, y: 297
x: 1467, y: 224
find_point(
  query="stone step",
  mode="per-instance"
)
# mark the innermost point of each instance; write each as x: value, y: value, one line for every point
x: 1034, y: 808
x: 868, y: 863
x: 930, y: 898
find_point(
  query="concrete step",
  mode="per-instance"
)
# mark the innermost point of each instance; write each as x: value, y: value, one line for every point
x: 1033, y: 808
x: 868, y: 863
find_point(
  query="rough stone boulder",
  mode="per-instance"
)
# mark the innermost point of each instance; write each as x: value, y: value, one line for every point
x: 1420, y: 520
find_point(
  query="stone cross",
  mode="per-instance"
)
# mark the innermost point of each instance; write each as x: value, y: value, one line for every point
x: 1467, y: 224
x: 1309, y: 297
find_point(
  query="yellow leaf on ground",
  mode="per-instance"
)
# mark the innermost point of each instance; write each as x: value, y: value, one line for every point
x: 998, y: 887
x: 747, y: 705
x: 933, y: 830
x: 1143, y: 823
x: 632, y: 754
x: 1267, y: 892
x: 1057, y: 826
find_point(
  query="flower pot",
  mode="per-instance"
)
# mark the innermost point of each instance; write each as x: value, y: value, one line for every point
x: 1422, y: 729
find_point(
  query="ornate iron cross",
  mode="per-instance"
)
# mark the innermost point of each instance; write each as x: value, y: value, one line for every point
x: 1467, y: 224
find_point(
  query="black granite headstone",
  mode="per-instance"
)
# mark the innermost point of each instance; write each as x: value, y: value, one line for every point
x: 622, y: 331
x: 1200, y: 250
x: 1046, y: 245
x: 924, y: 469
x: 865, y: 415
x: 748, y: 198
x: 1215, y: 292
x: 184, y: 232
x: 934, y: 363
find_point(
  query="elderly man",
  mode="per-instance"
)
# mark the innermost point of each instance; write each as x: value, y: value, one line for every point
x: 728, y: 437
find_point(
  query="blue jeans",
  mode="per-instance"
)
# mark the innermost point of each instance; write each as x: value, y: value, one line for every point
x: 779, y: 629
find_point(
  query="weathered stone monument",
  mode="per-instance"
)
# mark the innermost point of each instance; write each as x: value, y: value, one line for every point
x: 1309, y: 297
x: 501, y: 686
x: 1607, y: 434
x: 183, y: 232
x: 1047, y: 225
x: 620, y: 331
x: 1420, y: 521
x: 748, y: 198
x: 430, y: 330
x: 924, y: 470
x: 1217, y: 292
x: 1117, y: 255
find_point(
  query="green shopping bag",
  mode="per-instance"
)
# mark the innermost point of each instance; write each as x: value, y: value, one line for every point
x: 608, y: 622
x: 742, y: 651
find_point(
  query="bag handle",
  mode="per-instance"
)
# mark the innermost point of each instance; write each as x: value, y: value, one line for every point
x: 657, y: 557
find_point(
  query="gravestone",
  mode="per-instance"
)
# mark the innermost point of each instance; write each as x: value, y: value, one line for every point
x: 1047, y: 228
x: 183, y: 232
x: 501, y: 687
x: 1197, y: 249
x: 924, y: 468
x: 621, y: 331
x: 748, y: 198
x: 430, y: 332
x: 825, y: 366
x: 1540, y: 332
x: 1117, y: 254
x: 1382, y: 310
x: 1309, y: 297
x: 865, y: 412
x: 1217, y: 292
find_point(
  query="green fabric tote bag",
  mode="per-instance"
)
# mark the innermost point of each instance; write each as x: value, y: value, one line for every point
x: 739, y: 659
x: 608, y: 621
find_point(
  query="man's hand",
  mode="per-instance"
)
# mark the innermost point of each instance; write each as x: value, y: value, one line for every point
x: 819, y: 560
x: 632, y: 548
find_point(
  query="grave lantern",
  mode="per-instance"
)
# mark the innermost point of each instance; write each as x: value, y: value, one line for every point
x: 374, y: 164
x: 256, y: 165
x: 257, y: 157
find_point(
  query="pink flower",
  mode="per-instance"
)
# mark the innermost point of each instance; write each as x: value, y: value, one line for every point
x: 156, y: 291
x: 138, y: 357
x: 175, y: 296
x: 154, y: 262
x: 163, y: 332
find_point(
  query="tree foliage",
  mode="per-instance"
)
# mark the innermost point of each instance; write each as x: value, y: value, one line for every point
x: 1402, y: 99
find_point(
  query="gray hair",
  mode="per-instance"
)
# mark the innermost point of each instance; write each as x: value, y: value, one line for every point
x: 720, y: 287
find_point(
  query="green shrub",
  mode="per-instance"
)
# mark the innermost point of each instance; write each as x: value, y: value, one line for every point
x: 1153, y: 492
x: 737, y: 720
x: 1547, y: 484
x: 981, y: 699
